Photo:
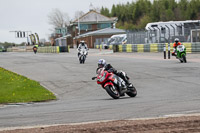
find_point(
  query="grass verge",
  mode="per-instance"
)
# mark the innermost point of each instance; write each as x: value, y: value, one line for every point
x: 15, y: 88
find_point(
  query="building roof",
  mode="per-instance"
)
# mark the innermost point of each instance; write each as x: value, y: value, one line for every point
x: 64, y: 37
x: 170, y: 23
x: 106, y: 31
x: 93, y: 16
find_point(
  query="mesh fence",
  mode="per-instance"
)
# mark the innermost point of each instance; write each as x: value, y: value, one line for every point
x: 166, y: 34
x: 190, y: 33
x: 136, y: 37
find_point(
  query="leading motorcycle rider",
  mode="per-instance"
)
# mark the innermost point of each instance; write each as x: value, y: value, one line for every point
x: 109, y: 68
x: 82, y: 45
x: 176, y: 43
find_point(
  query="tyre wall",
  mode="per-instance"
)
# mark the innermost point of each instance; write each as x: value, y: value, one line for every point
x: 190, y: 47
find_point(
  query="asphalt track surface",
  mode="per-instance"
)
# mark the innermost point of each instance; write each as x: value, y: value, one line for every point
x: 165, y: 87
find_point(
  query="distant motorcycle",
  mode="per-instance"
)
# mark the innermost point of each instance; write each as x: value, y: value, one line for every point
x: 181, y: 53
x: 112, y: 83
x: 35, y: 50
x: 82, y: 55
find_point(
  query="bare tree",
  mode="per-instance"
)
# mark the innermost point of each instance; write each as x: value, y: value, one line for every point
x: 58, y: 18
x: 78, y: 14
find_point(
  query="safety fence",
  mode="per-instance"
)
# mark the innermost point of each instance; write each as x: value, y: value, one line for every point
x: 103, y: 47
x: 51, y: 49
x: 164, y: 33
x: 47, y: 49
x: 190, y: 47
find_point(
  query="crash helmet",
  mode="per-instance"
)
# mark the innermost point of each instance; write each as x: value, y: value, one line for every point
x: 101, y: 63
x: 176, y: 40
x: 82, y: 42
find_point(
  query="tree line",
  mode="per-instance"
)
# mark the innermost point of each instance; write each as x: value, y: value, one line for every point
x: 8, y: 44
x: 136, y: 15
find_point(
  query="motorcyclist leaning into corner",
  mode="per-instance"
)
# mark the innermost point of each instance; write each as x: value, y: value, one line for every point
x: 102, y: 63
x: 82, y: 45
x: 35, y: 46
x: 176, y: 43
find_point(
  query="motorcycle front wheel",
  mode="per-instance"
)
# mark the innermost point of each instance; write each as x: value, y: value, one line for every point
x: 112, y: 91
x: 83, y: 59
x: 80, y: 60
x: 184, y: 58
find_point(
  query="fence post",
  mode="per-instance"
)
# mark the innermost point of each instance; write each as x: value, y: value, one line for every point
x: 168, y: 42
x: 196, y: 33
x: 173, y: 28
x: 168, y: 50
x: 164, y: 51
x: 159, y: 40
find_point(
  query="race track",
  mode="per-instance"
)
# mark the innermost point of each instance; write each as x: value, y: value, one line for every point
x: 164, y: 87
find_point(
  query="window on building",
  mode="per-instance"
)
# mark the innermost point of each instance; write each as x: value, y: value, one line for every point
x: 89, y: 27
x: 85, y: 27
x: 104, y: 25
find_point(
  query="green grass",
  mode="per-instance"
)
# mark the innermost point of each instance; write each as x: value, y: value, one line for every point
x: 15, y: 88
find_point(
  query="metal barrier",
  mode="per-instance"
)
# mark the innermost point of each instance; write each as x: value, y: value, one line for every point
x: 48, y: 49
x: 187, y: 32
x: 190, y: 47
x: 101, y: 47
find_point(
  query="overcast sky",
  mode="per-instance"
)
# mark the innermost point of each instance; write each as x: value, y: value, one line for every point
x: 31, y: 15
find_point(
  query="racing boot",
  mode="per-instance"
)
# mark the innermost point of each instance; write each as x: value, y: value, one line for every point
x: 129, y: 85
x: 126, y: 79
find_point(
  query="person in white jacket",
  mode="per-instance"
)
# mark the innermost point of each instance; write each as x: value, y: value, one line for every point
x: 82, y: 45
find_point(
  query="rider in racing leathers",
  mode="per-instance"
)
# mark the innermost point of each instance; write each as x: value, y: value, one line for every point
x: 82, y: 45
x: 176, y: 43
x: 109, y: 68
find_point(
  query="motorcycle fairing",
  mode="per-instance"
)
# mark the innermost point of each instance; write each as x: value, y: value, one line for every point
x: 180, y: 51
x: 107, y: 84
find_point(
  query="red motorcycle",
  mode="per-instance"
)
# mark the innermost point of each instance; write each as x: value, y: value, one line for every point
x: 114, y: 85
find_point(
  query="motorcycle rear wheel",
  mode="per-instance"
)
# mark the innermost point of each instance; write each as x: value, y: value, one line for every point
x: 132, y: 92
x: 112, y: 91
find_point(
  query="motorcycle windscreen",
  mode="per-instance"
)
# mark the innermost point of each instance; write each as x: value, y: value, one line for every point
x: 101, y: 75
x: 180, y: 48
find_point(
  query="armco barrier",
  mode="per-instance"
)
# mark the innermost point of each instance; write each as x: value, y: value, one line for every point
x: 47, y: 49
x: 110, y: 47
x: 195, y: 47
x: 101, y: 47
x: 129, y: 48
x: 50, y: 49
x: 64, y: 49
x: 190, y: 47
x: 9, y: 50
x: 153, y: 48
